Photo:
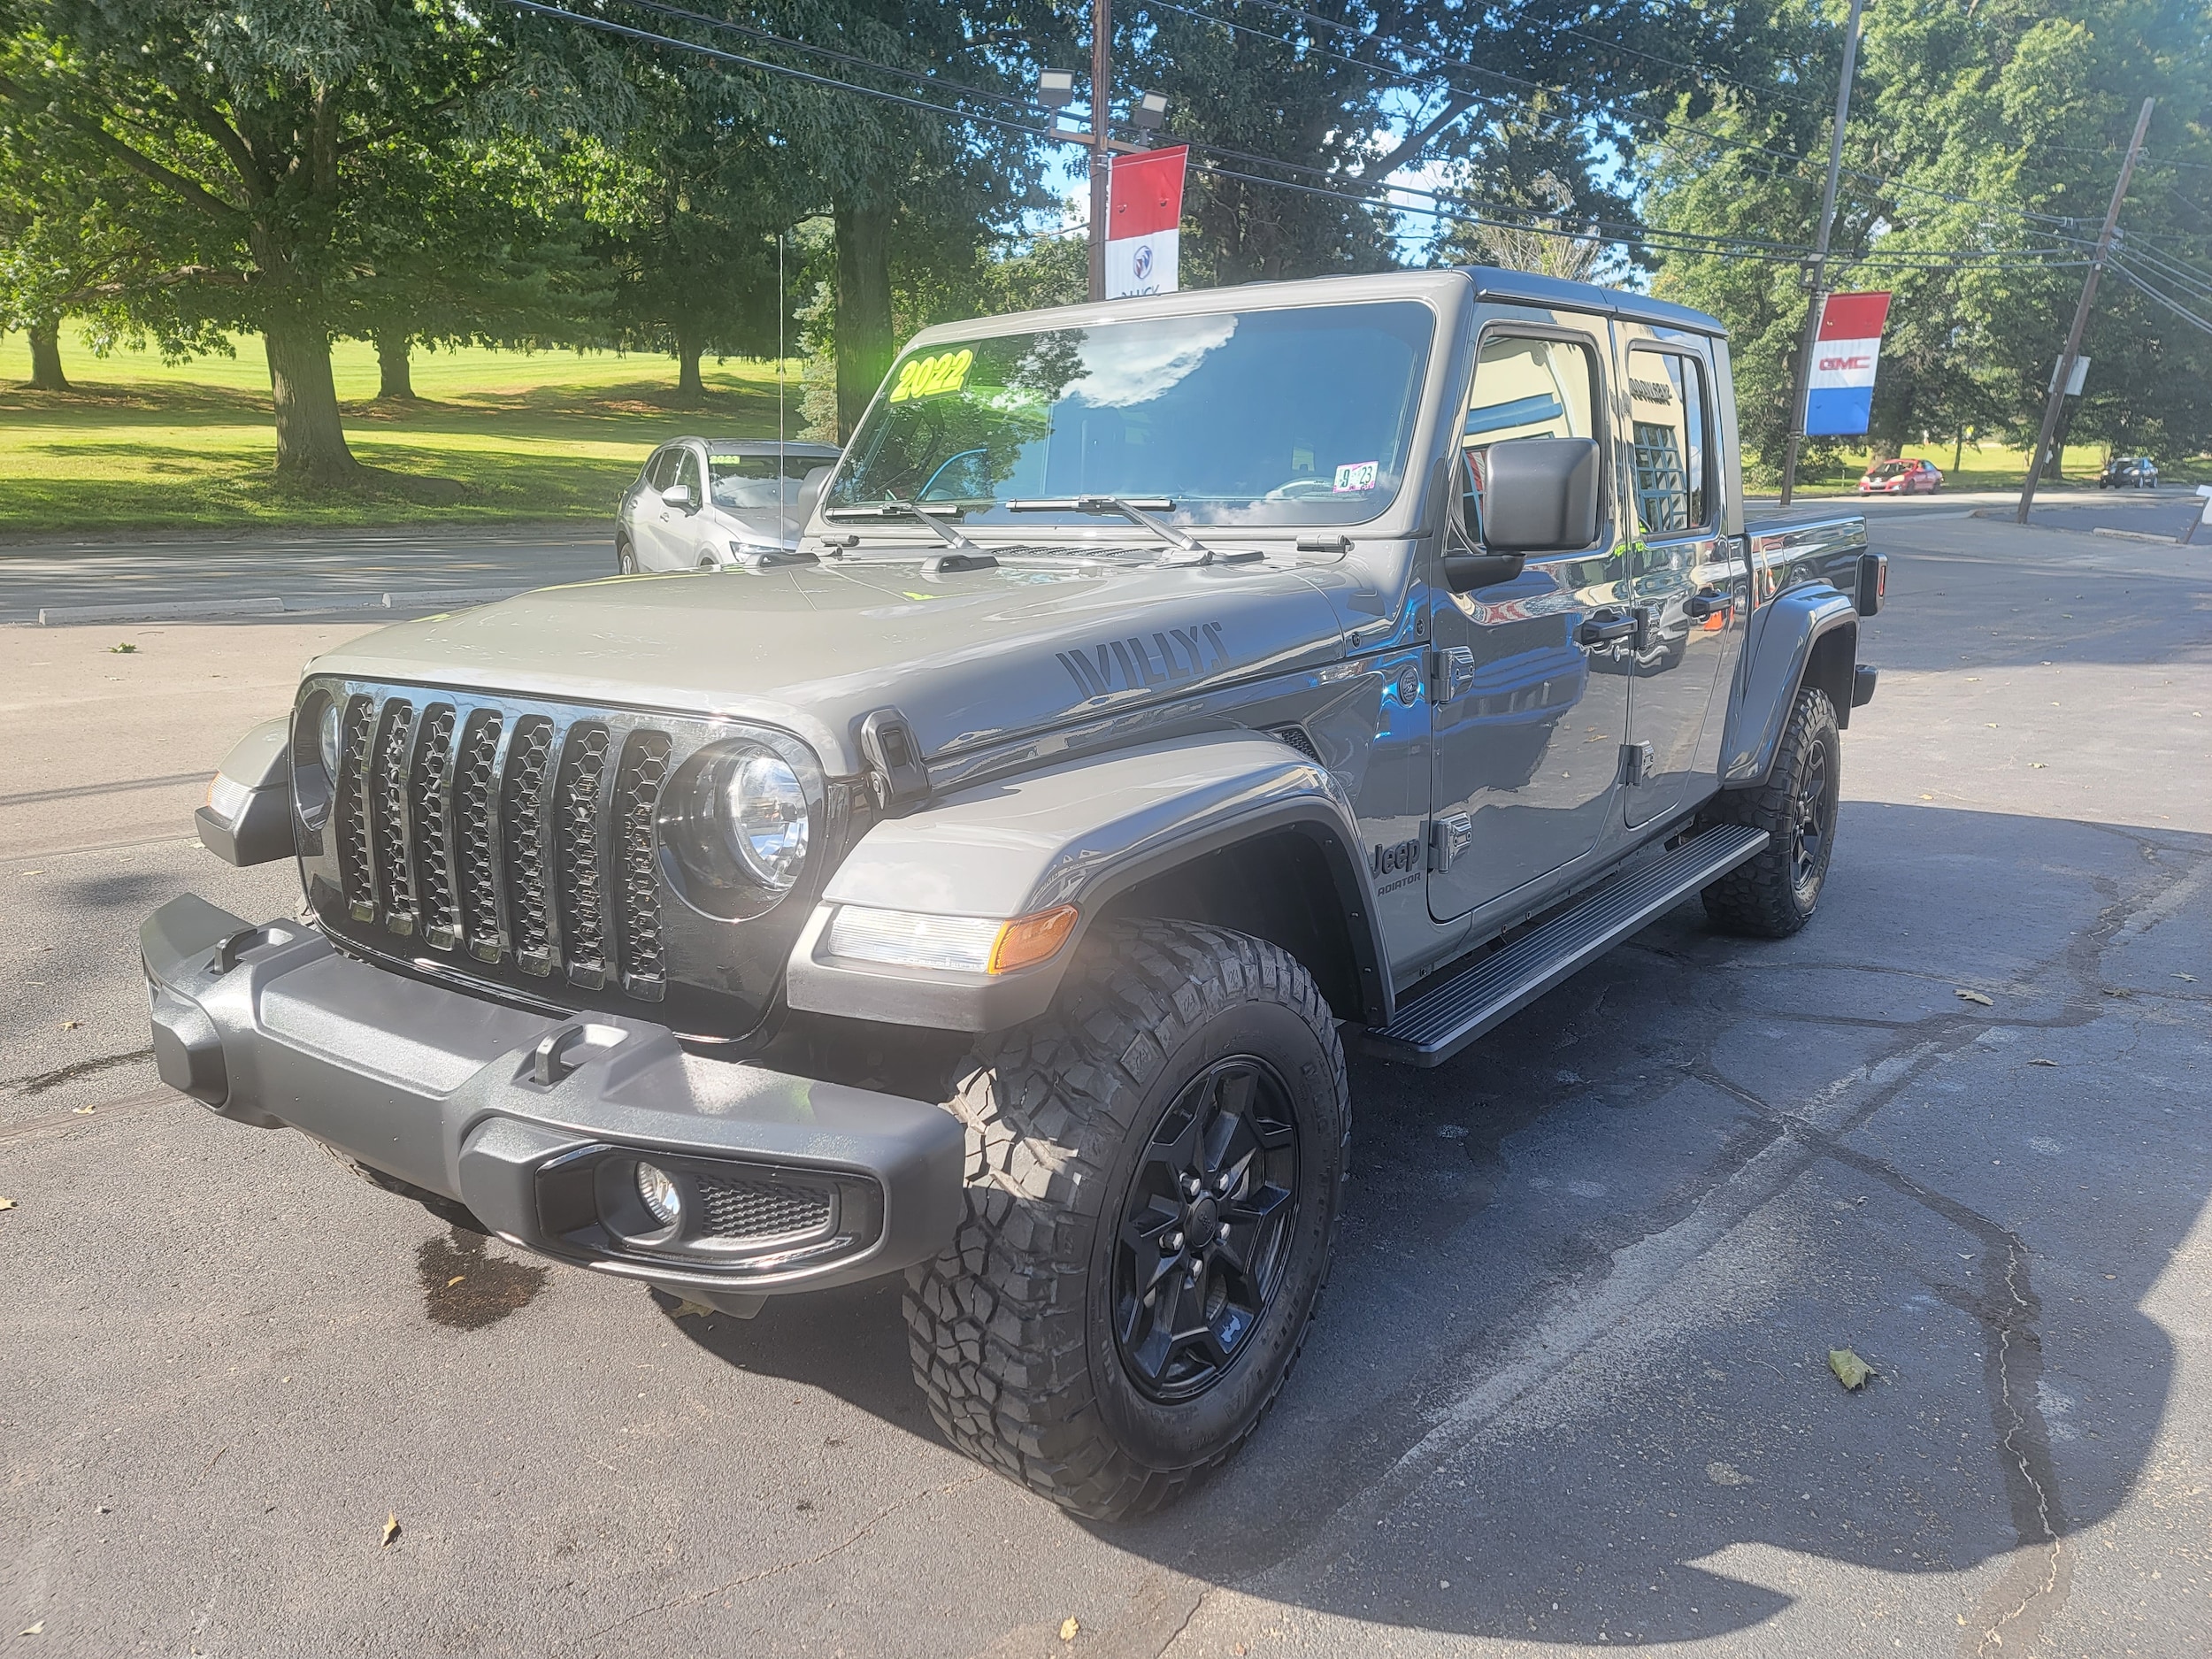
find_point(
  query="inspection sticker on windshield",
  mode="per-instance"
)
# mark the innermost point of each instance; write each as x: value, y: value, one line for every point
x: 1356, y: 477
x: 929, y: 377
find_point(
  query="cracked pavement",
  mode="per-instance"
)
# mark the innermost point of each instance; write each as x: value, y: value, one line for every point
x: 1570, y: 1390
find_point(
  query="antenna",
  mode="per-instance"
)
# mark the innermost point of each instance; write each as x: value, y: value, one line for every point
x: 783, y: 475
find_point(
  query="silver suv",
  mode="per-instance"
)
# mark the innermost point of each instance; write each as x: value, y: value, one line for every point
x: 704, y: 503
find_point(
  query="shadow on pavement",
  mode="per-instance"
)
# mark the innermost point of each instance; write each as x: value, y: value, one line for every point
x: 1574, y: 1359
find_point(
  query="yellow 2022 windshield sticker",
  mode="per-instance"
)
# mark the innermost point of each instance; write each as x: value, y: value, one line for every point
x: 928, y: 377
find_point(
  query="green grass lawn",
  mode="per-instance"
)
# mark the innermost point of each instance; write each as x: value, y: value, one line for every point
x: 140, y: 444
x: 1980, y: 466
x: 498, y: 436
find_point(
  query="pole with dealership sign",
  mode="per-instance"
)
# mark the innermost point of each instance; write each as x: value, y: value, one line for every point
x: 1143, y: 223
x: 1818, y: 274
x: 1848, y: 345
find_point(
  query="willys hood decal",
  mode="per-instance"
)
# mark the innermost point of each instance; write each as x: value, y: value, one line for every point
x: 970, y: 657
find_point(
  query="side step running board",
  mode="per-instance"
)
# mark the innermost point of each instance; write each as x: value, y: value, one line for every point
x: 1438, y: 1024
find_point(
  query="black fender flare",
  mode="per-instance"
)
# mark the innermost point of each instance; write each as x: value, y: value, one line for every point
x: 1806, y: 634
x: 1082, y: 832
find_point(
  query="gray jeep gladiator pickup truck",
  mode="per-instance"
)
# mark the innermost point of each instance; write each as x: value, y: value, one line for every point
x: 1163, y: 694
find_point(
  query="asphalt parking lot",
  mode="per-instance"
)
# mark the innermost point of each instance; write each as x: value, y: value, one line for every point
x: 1569, y: 1389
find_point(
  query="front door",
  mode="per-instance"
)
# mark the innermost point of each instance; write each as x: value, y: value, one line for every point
x: 1530, y: 689
x: 1680, y: 581
x: 665, y: 533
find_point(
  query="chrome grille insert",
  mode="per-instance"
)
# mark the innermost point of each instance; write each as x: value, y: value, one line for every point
x: 526, y: 831
x: 429, y: 798
x: 637, y: 793
x: 473, y: 814
x: 576, y: 820
x: 387, y: 802
x: 353, y: 808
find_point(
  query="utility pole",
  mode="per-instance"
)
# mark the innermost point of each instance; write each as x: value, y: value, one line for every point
x: 1101, y: 155
x: 1820, y: 257
x: 2081, y: 315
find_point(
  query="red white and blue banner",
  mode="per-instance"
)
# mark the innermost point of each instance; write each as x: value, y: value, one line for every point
x: 1839, y: 395
x: 1144, y: 218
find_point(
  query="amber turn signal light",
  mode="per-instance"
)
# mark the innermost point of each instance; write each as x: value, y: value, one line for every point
x: 1027, y: 940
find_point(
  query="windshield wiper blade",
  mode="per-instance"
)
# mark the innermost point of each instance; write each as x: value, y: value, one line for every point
x: 888, y: 508
x: 1139, y: 512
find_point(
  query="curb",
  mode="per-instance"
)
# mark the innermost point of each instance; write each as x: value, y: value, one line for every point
x: 2139, y: 535
x: 186, y: 610
x: 58, y: 614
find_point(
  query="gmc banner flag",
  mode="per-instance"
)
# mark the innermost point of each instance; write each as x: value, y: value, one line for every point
x: 1840, y: 393
x: 1144, y: 216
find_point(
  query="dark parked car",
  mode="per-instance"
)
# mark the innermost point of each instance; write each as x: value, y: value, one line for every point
x: 2128, y: 472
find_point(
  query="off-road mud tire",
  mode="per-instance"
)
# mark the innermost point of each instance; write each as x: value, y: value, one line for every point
x: 1773, y: 896
x: 1009, y: 1329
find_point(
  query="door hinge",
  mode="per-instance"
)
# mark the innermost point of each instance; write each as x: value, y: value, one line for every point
x: 1451, y: 671
x: 1636, y: 763
x: 1449, y: 836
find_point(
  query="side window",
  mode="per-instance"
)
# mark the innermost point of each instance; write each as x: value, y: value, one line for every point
x: 1529, y: 386
x: 688, y: 475
x: 1667, y: 426
x: 661, y: 472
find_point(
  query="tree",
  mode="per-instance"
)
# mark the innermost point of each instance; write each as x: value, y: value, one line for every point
x: 265, y: 138
x: 1981, y: 150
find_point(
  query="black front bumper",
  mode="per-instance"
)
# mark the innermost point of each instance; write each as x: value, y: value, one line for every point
x: 536, y: 1123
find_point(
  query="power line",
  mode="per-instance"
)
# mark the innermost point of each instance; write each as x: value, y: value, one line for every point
x: 1457, y: 210
x: 608, y: 26
x: 746, y: 29
x: 2171, y: 304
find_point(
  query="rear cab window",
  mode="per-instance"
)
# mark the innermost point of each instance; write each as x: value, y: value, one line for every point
x: 1670, y: 438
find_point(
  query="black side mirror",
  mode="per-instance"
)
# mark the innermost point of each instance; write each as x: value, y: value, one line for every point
x: 1542, y: 495
x: 1465, y: 569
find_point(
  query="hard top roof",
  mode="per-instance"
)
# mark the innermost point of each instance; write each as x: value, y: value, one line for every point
x: 1489, y: 281
x: 1495, y: 282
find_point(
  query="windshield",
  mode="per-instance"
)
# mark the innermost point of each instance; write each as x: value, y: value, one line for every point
x: 753, y: 481
x: 1889, y: 469
x: 1265, y: 417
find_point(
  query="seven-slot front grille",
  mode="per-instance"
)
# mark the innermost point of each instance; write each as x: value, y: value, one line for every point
x: 516, y: 841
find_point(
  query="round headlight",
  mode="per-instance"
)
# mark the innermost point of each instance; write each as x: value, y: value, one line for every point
x: 326, y: 736
x: 764, y: 814
x: 658, y: 1191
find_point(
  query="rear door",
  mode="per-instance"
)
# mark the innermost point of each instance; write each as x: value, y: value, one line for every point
x: 1680, y: 576
x: 1529, y: 692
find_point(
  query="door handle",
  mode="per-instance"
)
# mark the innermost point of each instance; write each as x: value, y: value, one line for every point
x: 1703, y: 605
x: 1607, y: 628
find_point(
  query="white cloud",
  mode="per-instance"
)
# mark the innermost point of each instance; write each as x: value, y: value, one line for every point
x: 1133, y: 363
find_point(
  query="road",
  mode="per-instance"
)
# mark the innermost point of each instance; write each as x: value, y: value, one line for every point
x: 311, y: 571
x: 1570, y: 1391
x: 305, y: 571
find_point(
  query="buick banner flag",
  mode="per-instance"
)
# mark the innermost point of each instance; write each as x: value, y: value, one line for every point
x: 1143, y: 219
x: 1840, y: 393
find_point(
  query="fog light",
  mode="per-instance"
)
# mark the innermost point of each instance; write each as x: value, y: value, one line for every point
x: 656, y: 1189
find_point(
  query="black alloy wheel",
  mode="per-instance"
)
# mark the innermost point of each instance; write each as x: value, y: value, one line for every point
x: 1814, y: 808
x: 1209, y: 1208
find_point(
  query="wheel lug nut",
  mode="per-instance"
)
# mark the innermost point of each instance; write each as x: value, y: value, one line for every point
x: 1192, y: 1186
x: 1174, y: 1240
x: 1223, y: 1235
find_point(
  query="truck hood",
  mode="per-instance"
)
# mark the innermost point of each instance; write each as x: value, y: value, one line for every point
x: 970, y: 659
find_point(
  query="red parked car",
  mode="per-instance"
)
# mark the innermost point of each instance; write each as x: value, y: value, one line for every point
x: 1902, y: 477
